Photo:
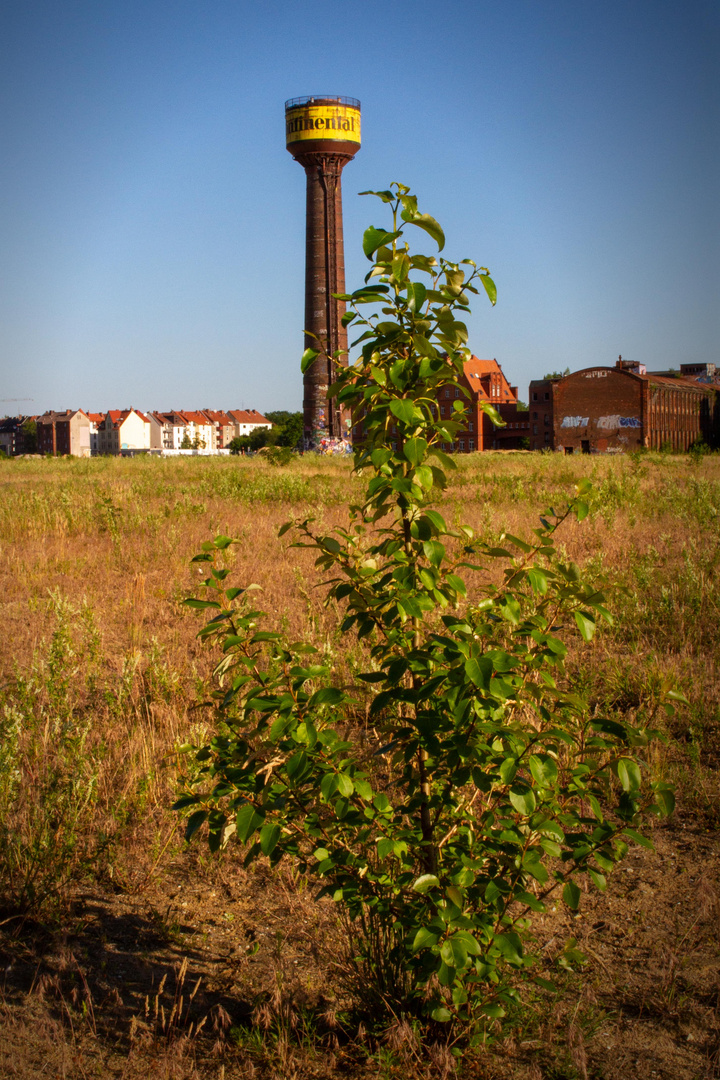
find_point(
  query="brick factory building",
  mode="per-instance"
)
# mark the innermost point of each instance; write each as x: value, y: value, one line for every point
x: 612, y: 410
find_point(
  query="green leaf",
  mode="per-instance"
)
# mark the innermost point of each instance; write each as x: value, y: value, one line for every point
x: 416, y: 295
x: 643, y: 841
x: 328, y: 695
x: 429, y: 224
x: 425, y: 939
x: 269, y: 836
x: 307, y: 359
x: 543, y: 769
x: 598, y: 879
x: 415, y: 450
x: 509, y: 947
x: 406, y: 411
x: 479, y: 670
x: 586, y: 624
x: 247, y: 821
x: 523, y: 799
x: 441, y: 1015
x: 375, y: 238
x: 538, y: 580
x: 434, y: 551
x: 386, y: 196
x: 493, y: 1011
x: 665, y: 800
x: 423, y: 346
x: 571, y: 895
x: 490, y: 288
x: 194, y: 822
x: 345, y: 785
x: 629, y: 774
x: 425, y: 882
x: 454, y: 952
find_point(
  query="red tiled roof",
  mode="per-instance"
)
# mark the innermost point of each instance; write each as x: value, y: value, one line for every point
x: 481, y: 367
x: 197, y: 418
x: 477, y: 370
x: 218, y: 417
x: 248, y: 416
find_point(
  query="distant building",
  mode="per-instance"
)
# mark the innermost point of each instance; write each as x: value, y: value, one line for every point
x: 64, y: 433
x: 611, y: 410
x: 123, y: 430
x: 541, y: 396
x: 484, y: 382
x: 487, y: 383
x: 96, y: 419
x: 704, y: 373
x: 246, y: 420
x: 13, y: 435
x: 167, y: 430
x: 224, y: 426
x: 200, y: 430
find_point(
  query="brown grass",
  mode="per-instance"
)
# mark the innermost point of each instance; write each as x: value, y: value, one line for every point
x: 101, y: 673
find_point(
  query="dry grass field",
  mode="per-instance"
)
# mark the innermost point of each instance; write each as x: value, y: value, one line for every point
x: 124, y: 954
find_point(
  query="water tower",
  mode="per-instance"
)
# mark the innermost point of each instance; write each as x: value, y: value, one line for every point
x: 323, y: 134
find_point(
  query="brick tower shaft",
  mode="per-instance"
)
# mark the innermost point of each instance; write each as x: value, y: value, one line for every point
x: 323, y: 134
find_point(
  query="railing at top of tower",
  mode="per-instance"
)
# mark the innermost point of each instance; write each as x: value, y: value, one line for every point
x: 322, y: 99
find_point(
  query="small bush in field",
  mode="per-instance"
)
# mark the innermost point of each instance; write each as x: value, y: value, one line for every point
x: 483, y: 785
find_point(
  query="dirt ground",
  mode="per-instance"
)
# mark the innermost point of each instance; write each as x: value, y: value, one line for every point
x: 178, y: 979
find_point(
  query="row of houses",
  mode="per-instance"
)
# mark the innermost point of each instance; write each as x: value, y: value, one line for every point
x: 81, y: 433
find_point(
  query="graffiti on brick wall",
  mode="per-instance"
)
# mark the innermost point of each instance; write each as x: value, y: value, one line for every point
x: 612, y: 423
x: 575, y: 421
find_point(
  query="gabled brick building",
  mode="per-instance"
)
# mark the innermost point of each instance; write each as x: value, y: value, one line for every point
x: 485, y: 382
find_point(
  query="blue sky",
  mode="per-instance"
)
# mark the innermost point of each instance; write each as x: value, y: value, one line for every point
x: 152, y: 221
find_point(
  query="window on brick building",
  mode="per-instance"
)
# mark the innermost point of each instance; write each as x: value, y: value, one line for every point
x: 535, y: 397
x: 471, y: 444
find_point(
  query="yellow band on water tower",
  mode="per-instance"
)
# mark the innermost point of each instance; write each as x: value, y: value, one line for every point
x: 328, y: 122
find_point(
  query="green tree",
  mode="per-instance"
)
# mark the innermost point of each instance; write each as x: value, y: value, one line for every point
x: 186, y: 443
x: 484, y: 785
x: 29, y: 430
x: 288, y: 428
x: 238, y: 444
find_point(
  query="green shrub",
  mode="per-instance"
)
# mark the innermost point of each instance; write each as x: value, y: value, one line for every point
x: 481, y: 784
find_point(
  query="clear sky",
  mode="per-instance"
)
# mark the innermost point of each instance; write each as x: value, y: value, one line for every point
x: 152, y: 222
